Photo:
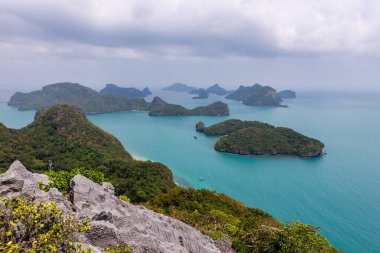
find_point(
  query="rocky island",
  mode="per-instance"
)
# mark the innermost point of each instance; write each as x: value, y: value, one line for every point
x: 91, y: 102
x: 257, y: 138
x: 112, y: 89
x: 256, y: 95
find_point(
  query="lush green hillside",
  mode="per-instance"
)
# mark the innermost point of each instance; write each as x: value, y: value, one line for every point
x: 250, y: 230
x: 256, y: 95
x: 214, y: 109
x: 65, y: 137
x: 257, y: 138
x: 216, y: 89
x: 92, y: 102
x: 114, y: 90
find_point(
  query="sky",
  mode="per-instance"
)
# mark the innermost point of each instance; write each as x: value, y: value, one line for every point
x: 295, y: 44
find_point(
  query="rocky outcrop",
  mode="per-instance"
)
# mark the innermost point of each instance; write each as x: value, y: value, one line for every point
x: 112, y: 220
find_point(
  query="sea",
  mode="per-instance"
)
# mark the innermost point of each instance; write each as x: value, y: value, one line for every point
x: 338, y: 192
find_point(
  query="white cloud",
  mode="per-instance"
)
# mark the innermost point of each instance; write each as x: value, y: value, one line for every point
x: 215, y: 28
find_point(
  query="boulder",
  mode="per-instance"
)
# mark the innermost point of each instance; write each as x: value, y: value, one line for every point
x: 112, y: 220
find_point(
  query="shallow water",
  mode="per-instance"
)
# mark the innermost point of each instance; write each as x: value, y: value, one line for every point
x: 340, y: 192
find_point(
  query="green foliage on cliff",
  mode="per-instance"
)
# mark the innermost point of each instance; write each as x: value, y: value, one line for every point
x: 257, y: 138
x: 63, y: 136
x: 250, y: 229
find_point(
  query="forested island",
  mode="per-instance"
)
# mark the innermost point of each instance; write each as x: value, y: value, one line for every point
x: 114, y: 90
x: 91, y: 102
x: 61, y: 143
x: 256, y: 95
x: 285, y: 94
x: 180, y: 87
x: 257, y: 138
x: 161, y: 108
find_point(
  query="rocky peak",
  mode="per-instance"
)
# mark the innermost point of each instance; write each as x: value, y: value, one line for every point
x: 112, y: 220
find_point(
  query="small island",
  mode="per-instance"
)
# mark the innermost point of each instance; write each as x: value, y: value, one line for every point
x: 202, y: 94
x: 161, y: 108
x: 114, y: 90
x: 91, y: 102
x: 258, y: 138
x: 285, y: 94
x: 180, y: 87
x: 217, y: 90
x: 256, y: 95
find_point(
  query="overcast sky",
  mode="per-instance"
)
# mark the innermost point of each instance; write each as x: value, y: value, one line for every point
x: 297, y: 44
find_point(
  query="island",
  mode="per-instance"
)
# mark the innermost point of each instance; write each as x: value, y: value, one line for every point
x: 112, y: 89
x: 258, y: 138
x: 180, y: 87
x: 202, y: 94
x: 256, y: 95
x: 217, y: 90
x: 91, y: 102
x: 285, y: 94
x: 161, y: 108
x: 85, y: 172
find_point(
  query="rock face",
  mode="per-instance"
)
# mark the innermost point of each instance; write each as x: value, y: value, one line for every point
x: 112, y: 220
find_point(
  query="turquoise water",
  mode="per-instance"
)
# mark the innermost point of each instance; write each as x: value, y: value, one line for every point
x: 340, y: 192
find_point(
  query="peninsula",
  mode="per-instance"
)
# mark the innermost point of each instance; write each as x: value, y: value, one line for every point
x: 257, y: 138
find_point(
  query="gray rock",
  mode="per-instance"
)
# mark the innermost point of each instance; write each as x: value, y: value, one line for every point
x: 112, y: 220
x: 108, y: 188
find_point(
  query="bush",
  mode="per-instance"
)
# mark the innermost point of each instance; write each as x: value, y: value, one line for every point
x: 61, y: 179
x: 27, y: 227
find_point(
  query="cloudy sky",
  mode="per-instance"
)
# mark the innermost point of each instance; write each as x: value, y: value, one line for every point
x: 298, y: 44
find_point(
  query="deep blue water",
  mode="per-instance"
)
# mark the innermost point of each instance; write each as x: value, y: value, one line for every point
x: 340, y: 192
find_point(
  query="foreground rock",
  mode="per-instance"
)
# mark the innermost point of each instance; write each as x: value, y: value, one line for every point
x: 112, y: 221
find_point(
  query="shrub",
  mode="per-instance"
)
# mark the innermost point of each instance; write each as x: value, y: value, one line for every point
x: 61, y: 179
x: 27, y: 227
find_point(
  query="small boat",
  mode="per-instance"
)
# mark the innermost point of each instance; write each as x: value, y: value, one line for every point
x: 201, y: 179
x: 195, y: 137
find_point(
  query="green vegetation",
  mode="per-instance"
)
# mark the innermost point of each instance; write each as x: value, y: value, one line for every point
x: 214, y: 109
x: 61, y: 179
x: 256, y: 95
x: 250, y: 229
x: 27, y: 227
x: 63, y: 139
x: 257, y: 138
x: 91, y: 102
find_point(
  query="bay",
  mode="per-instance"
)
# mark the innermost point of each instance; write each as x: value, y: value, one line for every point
x: 340, y: 192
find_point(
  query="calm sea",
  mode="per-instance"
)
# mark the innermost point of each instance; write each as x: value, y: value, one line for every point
x: 340, y: 192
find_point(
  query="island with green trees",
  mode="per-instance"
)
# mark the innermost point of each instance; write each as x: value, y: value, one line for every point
x: 257, y: 138
x: 217, y: 90
x: 202, y: 94
x: 180, y: 87
x: 162, y: 108
x: 91, y: 102
x: 114, y: 90
x: 256, y: 95
x: 62, y: 143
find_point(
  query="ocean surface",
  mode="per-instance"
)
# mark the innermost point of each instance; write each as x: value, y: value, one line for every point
x: 339, y: 192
